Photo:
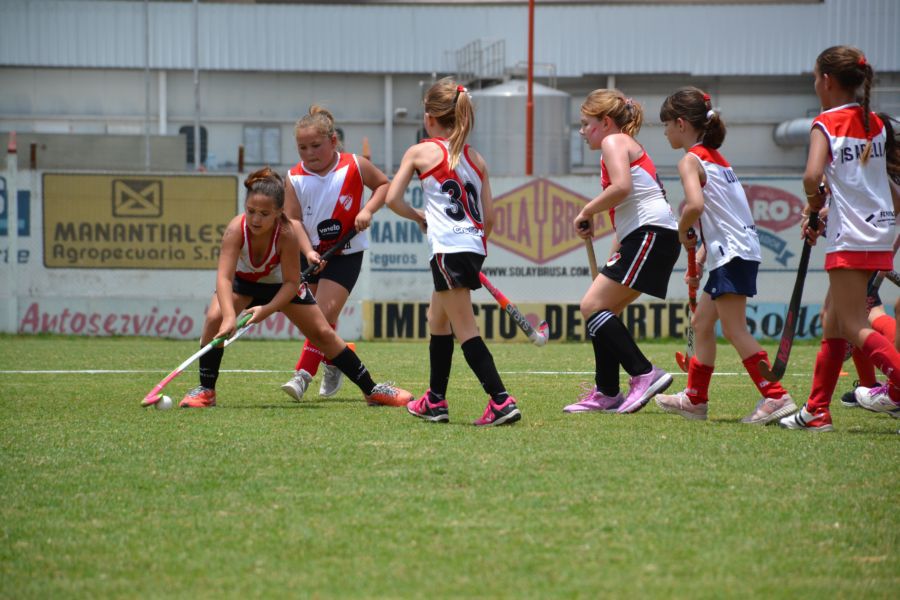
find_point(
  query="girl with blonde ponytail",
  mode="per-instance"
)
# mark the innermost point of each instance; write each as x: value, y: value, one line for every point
x: 458, y: 217
x: 643, y: 255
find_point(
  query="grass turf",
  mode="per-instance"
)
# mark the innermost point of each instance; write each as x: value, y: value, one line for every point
x: 331, y: 498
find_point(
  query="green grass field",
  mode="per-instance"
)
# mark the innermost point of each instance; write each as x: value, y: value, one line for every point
x: 263, y: 497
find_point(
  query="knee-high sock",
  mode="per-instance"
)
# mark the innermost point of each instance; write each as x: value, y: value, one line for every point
x: 607, y: 326
x: 698, y: 381
x: 310, y: 358
x: 765, y: 387
x: 350, y: 365
x: 482, y: 364
x: 865, y: 370
x: 209, y: 367
x: 886, y: 325
x: 886, y: 359
x: 440, y: 350
x: 606, y: 366
x: 825, y: 374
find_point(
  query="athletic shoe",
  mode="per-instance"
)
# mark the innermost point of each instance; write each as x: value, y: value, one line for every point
x: 423, y: 408
x: 199, y: 397
x: 769, y: 410
x: 387, y: 394
x: 332, y: 380
x: 296, y: 387
x: 877, y: 399
x: 849, y: 398
x: 803, y: 419
x: 643, y: 388
x: 680, y: 404
x: 499, y: 414
x: 591, y: 399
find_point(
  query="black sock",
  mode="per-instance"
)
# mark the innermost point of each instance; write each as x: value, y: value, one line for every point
x: 350, y: 365
x: 482, y: 364
x: 209, y: 367
x: 606, y: 370
x: 607, y: 326
x: 440, y: 350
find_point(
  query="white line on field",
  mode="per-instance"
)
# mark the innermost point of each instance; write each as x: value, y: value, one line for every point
x: 137, y: 371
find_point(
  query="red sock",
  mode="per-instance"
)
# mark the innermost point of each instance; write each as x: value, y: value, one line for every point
x: 864, y: 368
x: 698, y: 381
x: 886, y: 326
x: 310, y: 359
x: 825, y: 374
x: 765, y: 387
x: 886, y: 359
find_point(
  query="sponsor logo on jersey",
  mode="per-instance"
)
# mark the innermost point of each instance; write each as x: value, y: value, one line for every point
x: 329, y: 230
x: 535, y: 221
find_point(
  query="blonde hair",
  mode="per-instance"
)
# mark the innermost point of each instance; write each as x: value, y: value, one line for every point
x: 320, y: 119
x: 625, y: 112
x: 449, y: 104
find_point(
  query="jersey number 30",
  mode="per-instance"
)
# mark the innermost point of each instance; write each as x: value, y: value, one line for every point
x: 456, y: 210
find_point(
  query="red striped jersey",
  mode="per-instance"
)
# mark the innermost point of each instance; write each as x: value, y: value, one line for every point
x: 645, y: 205
x: 329, y: 203
x: 726, y: 224
x: 269, y: 269
x: 453, y: 207
x: 860, y: 213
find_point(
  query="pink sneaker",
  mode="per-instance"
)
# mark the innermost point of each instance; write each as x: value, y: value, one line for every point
x: 199, y: 397
x: 769, y: 410
x: 423, y: 408
x: 680, y: 404
x: 643, y: 388
x: 592, y: 400
x: 499, y: 414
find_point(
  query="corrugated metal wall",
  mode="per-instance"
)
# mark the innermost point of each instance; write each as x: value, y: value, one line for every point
x: 577, y: 39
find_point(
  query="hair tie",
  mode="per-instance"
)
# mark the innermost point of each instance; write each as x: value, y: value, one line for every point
x: 862, y: 60
x: 710, y: 114
x: 459, y: 90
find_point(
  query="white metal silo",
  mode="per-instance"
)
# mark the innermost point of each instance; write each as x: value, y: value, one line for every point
x: 499, y: 133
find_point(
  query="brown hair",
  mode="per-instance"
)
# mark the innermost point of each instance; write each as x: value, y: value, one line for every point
x: 267, y: 182
x: 449, y: 103
x: 695, y: 106
x: 320, y: 119
x: 625, y: 112
x: 891, y: 146
x: 849, y: 67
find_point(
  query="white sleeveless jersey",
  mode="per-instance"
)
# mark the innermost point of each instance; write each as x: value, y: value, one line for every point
x: 266, y: 271
x: 645, y: 205
x: 453, y: 208
x: 726, y: 224
x: 860, y: 210
x: 329, y: 203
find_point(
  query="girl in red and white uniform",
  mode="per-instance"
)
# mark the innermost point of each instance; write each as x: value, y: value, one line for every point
x: 847, y: 151
x: 325, y: 192
x: 259, y: 271
x: 458, y: 215
x: 715, y: 200
x: 642, y: 258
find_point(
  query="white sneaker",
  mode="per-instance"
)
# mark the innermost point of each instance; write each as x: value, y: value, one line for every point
x: 296, y: 387
x: 876, y: 399
x: 332, y: 380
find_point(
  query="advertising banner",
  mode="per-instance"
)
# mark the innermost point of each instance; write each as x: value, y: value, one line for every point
x: 120, y: 221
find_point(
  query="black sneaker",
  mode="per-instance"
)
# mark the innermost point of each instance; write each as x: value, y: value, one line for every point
x: 849, y: 398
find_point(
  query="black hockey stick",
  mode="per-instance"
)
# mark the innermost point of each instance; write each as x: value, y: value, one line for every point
x: 790, y: 320
x: 338, y: 245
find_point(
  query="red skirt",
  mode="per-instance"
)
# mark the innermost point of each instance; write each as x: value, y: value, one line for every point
x: 861, y: 261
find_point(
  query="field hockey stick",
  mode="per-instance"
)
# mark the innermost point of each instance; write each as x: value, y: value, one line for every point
x: 538, y: 335
x: 338, y: 245
x: 154, y: 396
x: 684, y: 360
x: 790, y: 320
x: 589, y: 246
x: 892, y: 276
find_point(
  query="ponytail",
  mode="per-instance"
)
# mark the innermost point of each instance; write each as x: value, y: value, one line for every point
x: 624, y: 112
x: 850, y: 69
x: 869, y: 74
x: 695, y: 106
x: 450, y: 104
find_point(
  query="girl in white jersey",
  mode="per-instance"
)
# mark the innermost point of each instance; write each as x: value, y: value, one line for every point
x: 716, y: 204
x: 847, y: 150
x: 259, y: 271
x: 324, y: 191
x: 458, y: 216
x: 642, y: 258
